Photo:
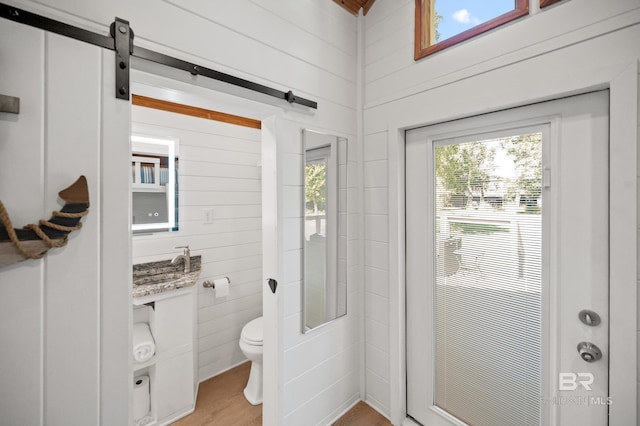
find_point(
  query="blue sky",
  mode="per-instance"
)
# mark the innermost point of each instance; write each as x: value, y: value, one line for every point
x: 460, y: 15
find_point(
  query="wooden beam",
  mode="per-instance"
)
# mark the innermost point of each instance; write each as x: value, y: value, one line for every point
x: 350, y: 5
x: 354, y: 6
x: 367, y: 6
x: 207, y: 114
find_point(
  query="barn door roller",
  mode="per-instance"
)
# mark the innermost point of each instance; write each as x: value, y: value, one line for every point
x: 123, y: 45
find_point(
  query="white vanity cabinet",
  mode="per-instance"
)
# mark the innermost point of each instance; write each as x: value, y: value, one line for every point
x: 171, y: 319
x: 173, y: 387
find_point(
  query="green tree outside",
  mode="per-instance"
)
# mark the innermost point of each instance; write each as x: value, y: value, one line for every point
x: 315, y: 179
x: 464, y: 169
x: 467, y: 169
x: 526, y: 152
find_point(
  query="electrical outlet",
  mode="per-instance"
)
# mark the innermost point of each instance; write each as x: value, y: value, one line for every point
x: 208, y: 215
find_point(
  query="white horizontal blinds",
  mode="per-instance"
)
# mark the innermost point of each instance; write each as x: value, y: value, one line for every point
x: 487, y: 333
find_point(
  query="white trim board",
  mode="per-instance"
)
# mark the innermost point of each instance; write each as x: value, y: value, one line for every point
x: 623, y: 84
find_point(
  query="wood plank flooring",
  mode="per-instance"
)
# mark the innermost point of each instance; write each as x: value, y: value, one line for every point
x: 362, y: 415
x: 222, y: 403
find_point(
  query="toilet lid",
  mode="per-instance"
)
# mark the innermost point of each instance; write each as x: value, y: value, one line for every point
x: 252, y: 332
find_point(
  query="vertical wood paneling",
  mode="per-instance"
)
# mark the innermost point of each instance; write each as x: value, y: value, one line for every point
x: 219, y: 169
x: 71, y: 275
x: 116, y: 375
x: 53, y: 346
x: 21, y: 173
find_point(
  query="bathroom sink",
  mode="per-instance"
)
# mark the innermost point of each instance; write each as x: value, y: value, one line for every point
x: 154, y: 278
x: 158, y: 279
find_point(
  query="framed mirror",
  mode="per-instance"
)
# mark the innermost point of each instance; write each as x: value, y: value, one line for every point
x: 324, y: 286
x: 154, y: 184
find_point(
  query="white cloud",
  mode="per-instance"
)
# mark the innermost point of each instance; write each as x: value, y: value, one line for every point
x: 463, y: 16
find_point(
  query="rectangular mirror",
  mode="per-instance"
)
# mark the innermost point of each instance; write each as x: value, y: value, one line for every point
x: 154, y: 184
x: 324, y: 286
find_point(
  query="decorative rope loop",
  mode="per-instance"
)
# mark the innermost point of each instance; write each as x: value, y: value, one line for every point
x: 69, y: 215
x: 56, y: 226
x: 51, y: 243
x: 6, y: 221
x: 48, y: 241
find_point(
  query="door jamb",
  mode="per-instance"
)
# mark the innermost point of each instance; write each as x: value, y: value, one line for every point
x: 623, y: 197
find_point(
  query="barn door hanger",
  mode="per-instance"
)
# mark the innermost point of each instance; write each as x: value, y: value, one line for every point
x: 120, y: 40
x: 123, y: 45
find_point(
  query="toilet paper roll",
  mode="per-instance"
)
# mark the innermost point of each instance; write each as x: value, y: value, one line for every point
x: 141, y: 400
x: 222, y: 287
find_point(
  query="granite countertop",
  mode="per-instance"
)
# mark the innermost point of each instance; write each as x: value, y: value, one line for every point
x: 159, y: 277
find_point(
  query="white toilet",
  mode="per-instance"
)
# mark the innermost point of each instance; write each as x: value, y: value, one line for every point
x: 251, y: 346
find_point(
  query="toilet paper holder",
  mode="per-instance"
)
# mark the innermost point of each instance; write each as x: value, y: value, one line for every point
x: 210, y: 284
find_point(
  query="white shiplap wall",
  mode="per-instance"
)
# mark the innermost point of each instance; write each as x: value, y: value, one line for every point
x: 219, y: 169
x: 307, y: 46
x: 376, y: 272
x: 328, y: 357
x: 567, y: 48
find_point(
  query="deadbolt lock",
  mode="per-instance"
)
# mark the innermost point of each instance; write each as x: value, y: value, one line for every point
x: 589, y: 352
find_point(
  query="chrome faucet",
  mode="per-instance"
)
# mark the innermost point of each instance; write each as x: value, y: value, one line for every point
x: 186, y: 256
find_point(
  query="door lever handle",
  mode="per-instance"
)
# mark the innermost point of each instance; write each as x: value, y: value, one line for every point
x: 589, y: 318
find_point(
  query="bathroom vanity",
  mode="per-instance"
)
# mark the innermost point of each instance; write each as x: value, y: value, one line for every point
x: 164, y: 298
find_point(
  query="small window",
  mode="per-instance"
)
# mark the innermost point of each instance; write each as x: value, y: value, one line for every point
x: 440, y: 23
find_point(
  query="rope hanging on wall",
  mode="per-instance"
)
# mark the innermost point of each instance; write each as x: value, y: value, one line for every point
x: 34, y: 240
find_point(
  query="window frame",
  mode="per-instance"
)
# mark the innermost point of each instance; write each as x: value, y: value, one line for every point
x: 545, y: 3
x: 423, y: 11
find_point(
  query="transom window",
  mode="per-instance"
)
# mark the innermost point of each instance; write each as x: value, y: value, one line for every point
x: 443, y: 23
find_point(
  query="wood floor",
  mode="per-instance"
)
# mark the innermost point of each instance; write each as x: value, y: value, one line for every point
x: 362, y: 415
x: 221, y: 402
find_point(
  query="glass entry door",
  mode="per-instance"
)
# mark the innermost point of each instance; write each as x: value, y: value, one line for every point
x: 487, y: 299
x: 506, y: 243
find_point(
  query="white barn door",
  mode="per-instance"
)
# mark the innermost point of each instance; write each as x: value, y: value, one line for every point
x: 65, y: 319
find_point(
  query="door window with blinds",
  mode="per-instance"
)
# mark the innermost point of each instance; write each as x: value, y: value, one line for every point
x: 487, y: 294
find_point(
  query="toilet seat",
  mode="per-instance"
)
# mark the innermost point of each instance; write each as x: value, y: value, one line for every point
x: 252, y: 332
